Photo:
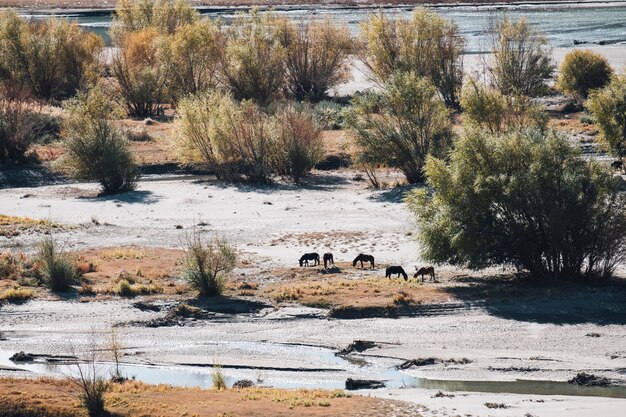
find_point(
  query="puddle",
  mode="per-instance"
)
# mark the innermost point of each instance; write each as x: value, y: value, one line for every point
x: 339, y: 368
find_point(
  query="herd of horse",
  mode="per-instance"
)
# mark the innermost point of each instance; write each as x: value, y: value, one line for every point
x: 391, y: 270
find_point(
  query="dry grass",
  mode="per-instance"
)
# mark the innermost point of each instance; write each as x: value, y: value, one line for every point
x: 17, y: 295
x: 11, y: 226
x: 58, y: 398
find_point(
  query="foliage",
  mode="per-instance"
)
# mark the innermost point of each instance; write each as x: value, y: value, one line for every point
x: 427, y: 45
x: 20, y: 127
x: 329, y: 115
x: 17, y: 294
x: 52, y: 58
x: 317, y: 57
x: 411, y: 122
x: 96, y: 149
x: 166, y: 16
x: 522, y: 199
x: 298, y: 142
x: 253, y: 61
x: 56, y: 268
x: 521, y: 58
x: 486, y: 107
x: 206, y: 267
x: 142, y: 72
x: 608, y: 107
x: 582, y: 71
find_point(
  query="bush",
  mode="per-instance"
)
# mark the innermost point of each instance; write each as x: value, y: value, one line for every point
x: 608, y: 107
x: 52, y: 58
x: 56, y: 268
x: 17, y: 295
x: 582, y: 71
x: 487, y: 108
x: 95, y: 148
x: 142, y: 72
x: 205, y: 268
x: 521, y: 58
x: 329, y: 115
x: 427, y: 45
x: 299, y: 143
x: 522, y: 199
x: 20, y: 127
x: 317, y: 57
x: 253, y: 60
x: 92, y: 386
x: 412, y: 122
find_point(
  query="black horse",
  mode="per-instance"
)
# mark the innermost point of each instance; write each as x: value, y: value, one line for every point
x: 364, y: 258
x: 304, y: 260
x: 396, y: 270
x: 328, y: 259
x: 617, y: 165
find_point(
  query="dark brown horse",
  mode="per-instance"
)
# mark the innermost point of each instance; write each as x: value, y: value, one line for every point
x: 429, y: 270
x: 315, y: 257
x: 364, y: 258
x: 328, y: 259
x: 396, y: 270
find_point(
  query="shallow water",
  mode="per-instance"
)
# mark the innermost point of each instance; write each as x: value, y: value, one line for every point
x: 562, y: 25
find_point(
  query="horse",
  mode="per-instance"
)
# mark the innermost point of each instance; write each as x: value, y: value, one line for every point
x: 328, y: 259
x: 396, y: 270
x: 364, y: 258
x: 425, y: 271
x: 304, y: 260
x: 617, y: 165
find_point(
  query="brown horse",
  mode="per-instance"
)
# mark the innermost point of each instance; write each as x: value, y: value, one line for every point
x: 364, y: 258
x: 429, y: 270
x: 328, y: 259
x: 315, y: 257
x: 396, y: 270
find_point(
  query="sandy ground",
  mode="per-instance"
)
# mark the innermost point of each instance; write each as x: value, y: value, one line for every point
x: 292, y: 345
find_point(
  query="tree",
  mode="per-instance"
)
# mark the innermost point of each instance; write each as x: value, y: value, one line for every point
x: 206, y: 267
x: 427, y: 45
x: 608, y: 107
x: 582, y: 71
x: 51, y: 58
x: 401, y: 126
x: 252, y: 61
x: 523, y: 199
x: 317, y: 57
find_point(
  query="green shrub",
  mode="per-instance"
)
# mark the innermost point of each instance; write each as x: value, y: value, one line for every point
x: 206, y: 267
x: 487, y: 108
x: 582, y: 71
x: 608, y: 108
x: 412, y: 122
x: 524, y: 199
x: 317, y: 57
x: 427, y: 45
x: 52, y: 58
x: 56, y: 268
x: 329, y: 115
x: 299, y: 143
x: 521, y: 58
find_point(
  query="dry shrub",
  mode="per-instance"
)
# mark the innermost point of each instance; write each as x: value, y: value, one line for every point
x: 56, y: 268
x: 20, y: 126
x: 317, y: 56
x: 166, y: 16
x: 427, y: 45
x: 206, y: 267
x: 582, y: 71
x: 17, y: 295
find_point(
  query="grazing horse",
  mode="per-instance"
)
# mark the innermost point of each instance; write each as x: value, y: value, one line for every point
x: 304, y: 260
x: 364, y: 258
x: 396, y: 270
x: 425, y: 271
x: 617, y: 165
x: 328, y: 259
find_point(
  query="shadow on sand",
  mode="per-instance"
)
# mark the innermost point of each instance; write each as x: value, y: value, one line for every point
x: 312, y: 182
x: 129, y: 197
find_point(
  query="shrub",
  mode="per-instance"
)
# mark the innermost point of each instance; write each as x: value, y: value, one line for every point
x: 523, y: 199
x: 298, y: 142
x: 608, y: 107
x: 253, y: 61
x: 52, y: 58
x: 205, y: 267
x: 56, y: 268
x: 582, y: 71
x: 521, y: 58
x: 142, y: 72
x: 20, y: 127
x: 317, y: 57
x: 17, y: 295
x: 487, y: 108
x: 97, y: 150
x: 329, y: 115
x: 219, y: 380
x: 427, y: 45
x: 412, y: 122
x: 92, y: 386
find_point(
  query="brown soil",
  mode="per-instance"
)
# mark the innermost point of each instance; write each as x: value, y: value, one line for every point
x: 59, y: 398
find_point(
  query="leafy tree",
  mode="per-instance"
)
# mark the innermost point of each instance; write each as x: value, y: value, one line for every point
x: 427, y: 45
x: 521, y: 58
x: 521, y: 199
x: 582, y: 71
x: 401, y: 126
